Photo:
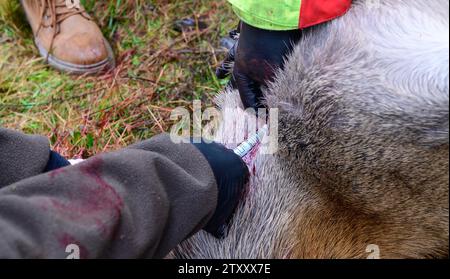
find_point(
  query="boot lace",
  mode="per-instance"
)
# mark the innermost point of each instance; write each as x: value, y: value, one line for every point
x: 54, y: 12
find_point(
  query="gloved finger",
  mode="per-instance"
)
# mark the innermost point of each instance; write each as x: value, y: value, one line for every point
x: 226, y: 68
x: 249, y: 90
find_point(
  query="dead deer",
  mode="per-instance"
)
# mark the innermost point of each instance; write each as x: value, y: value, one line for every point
x: 363, y: 143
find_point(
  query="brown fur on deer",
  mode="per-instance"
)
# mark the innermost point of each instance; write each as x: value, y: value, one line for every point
x: 363, y: 143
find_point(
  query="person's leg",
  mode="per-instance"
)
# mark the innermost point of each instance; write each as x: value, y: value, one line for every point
x: 67, y: 36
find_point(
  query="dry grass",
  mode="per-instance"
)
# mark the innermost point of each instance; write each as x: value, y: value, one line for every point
x: 158, y: 69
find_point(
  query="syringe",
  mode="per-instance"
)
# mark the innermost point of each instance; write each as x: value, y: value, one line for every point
x: 246, y: 147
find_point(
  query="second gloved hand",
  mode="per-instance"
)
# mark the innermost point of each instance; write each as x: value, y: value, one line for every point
x: 257, y: 55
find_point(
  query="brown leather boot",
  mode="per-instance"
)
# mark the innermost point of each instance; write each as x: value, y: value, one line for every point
x: 67, y: 36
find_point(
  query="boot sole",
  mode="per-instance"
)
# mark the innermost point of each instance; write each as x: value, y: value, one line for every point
x: 60, y: 65
x: 76, y: 69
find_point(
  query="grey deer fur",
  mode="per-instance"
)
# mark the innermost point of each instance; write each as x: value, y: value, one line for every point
x: 363, y: 143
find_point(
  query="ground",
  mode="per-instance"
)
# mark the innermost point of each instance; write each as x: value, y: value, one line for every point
x: 158, y: 69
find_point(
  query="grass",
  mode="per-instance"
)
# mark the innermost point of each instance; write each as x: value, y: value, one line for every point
x: 158, y: 69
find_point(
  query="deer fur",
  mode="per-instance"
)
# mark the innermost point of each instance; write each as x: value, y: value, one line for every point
x: 363, y: 143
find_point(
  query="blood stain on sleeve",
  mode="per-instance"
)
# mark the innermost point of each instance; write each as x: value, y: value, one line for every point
x: 92, y: 203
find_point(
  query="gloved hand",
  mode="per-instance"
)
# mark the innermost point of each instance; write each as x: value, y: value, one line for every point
x: 231, y: 175
x: 56, y: 161
x: 257, y: 55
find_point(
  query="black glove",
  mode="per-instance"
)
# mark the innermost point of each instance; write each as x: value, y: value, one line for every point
x: 226, y: 68
x: 257, y: 55
x: 56, y: 161
x: 231, y: 175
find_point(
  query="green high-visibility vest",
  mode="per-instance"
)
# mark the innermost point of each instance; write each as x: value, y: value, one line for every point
x: 268, y: 14
x: 288, y: 14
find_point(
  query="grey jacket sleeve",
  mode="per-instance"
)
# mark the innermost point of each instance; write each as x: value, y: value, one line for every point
x: 21, y: 156
x: 139, y: 202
